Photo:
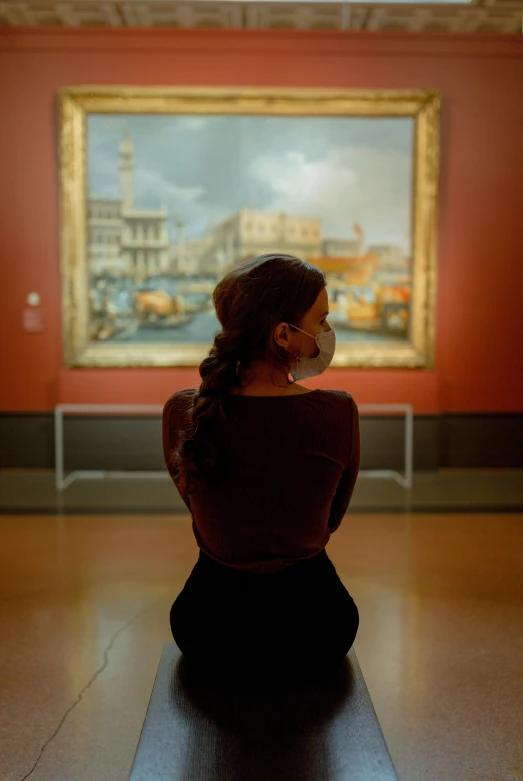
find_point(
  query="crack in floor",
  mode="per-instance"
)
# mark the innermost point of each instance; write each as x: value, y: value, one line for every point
x: 90, y: 682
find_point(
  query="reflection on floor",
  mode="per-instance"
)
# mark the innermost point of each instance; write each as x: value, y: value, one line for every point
x: 84, y: 607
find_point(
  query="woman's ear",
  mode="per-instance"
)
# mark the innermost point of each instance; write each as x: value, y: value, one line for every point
x: 281, y: 335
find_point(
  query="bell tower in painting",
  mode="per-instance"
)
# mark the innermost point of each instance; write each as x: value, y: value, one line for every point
x: 127, y: 173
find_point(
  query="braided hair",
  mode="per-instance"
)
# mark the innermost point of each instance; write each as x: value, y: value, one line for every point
x: 249, y: 301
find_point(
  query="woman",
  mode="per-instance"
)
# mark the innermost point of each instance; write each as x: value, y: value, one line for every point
x: 266, y: 468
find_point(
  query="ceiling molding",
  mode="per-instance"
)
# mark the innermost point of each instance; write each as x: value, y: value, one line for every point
x: 479, y: 16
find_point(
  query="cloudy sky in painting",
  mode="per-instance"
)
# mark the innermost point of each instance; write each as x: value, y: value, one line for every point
x: 203, y: 169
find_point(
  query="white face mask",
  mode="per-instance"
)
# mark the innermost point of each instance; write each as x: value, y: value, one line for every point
x: 312, y: 367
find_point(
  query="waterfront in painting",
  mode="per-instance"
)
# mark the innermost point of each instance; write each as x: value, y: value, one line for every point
x: 174, y: 202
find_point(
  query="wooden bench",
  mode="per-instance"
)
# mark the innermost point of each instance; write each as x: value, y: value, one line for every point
x: 194, y: 732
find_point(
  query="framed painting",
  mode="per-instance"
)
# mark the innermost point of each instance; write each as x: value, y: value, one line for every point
x: 164, y: 190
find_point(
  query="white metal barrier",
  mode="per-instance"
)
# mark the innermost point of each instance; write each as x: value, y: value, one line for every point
x: 404, y: 480
x: 62, y: 482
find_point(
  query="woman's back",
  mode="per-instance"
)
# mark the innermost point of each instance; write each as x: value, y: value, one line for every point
x: 285, y: 474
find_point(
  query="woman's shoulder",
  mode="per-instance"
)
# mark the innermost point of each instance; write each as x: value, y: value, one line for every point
x: 334, y: 394
x: 180, y: 399
x: 337, y: 405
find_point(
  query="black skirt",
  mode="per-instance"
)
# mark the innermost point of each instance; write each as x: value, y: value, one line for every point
x: 292, y: 627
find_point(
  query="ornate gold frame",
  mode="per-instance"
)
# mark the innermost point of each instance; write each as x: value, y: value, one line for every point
x: 75, y: 103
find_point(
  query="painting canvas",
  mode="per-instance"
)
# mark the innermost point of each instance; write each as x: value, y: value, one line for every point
x: 170, y: 201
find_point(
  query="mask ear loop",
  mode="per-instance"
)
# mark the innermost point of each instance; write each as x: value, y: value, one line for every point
x: 294, y: 357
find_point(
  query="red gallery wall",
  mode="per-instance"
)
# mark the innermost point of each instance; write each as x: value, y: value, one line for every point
x: 480, y: 222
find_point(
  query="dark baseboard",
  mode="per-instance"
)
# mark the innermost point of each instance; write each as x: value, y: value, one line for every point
x: 27, y: 440
x: 481, y: 441
x: 134, y: 442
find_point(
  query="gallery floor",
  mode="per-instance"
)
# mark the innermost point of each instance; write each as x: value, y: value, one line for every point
x: 84, y: 605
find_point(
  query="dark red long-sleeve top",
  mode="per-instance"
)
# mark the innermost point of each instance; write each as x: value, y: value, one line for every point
x: 288, y: 466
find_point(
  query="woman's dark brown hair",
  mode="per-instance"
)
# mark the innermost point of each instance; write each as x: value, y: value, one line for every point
x: 250, y: 301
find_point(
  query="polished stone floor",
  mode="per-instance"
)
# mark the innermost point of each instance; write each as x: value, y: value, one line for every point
x: 84, y: 606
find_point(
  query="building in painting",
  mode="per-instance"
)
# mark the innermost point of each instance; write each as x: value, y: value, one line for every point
x: 342, y: 248
x: 126, y: 241
x: 145, y: 242
x: 248, y: 233
x: 104, y: 236
x: 123, y: 240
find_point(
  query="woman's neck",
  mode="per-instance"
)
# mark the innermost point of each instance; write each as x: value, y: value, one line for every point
x: 261, y: 379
